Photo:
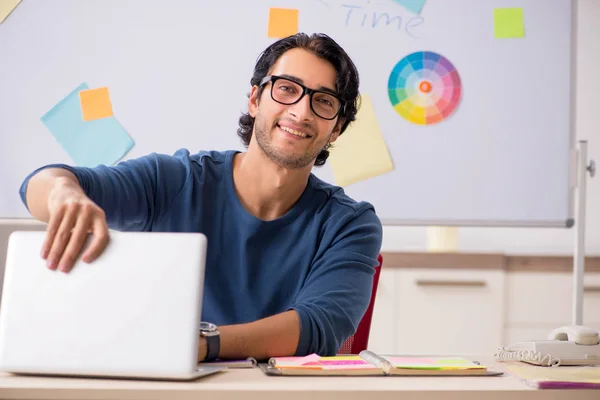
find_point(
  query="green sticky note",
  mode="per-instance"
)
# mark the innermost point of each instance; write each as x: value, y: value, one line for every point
x: 508, y: 23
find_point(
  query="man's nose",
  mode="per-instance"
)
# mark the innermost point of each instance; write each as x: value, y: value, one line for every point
x: 301, y: 110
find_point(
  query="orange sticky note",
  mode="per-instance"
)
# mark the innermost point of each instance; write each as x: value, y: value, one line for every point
x: 95, y: 104
x: 282, y: 22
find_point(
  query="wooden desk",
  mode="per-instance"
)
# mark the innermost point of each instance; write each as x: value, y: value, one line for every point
x: 252, y: 384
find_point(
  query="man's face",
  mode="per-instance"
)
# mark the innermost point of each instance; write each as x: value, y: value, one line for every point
x: 293, y: 135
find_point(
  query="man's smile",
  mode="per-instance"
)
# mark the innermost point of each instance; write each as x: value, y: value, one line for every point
x: 293, y: 130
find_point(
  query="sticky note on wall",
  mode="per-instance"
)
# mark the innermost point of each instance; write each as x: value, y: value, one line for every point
x: 414, y: 6
x: 508, y: 23
x: 6, y: 7
x: 360, y: 152
x: 95, y: 104
x: 282, y: 22
x: 88, y: 143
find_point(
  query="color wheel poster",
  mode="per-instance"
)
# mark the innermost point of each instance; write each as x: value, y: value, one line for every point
x: 424, y: 88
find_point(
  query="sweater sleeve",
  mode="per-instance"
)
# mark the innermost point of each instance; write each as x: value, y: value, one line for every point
x: 338, y: 288
x: 134, y: 193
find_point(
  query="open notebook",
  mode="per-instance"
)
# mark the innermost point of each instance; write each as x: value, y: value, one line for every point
x: 369, y: 363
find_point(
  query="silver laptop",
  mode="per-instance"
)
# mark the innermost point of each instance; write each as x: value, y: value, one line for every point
x: 132, y: 313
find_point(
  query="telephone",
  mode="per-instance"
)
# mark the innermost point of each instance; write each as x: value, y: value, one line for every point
x: 567, y: 345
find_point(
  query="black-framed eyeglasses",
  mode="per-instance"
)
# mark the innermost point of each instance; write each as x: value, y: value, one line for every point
x: 287, y: 91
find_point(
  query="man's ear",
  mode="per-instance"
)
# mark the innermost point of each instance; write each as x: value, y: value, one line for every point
x: 336, y: 130
x: 253, y: 102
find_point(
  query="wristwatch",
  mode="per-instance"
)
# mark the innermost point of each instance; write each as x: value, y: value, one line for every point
x: 213, y: 340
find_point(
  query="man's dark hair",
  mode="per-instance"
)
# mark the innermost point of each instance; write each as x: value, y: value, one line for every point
x: 324, y: 47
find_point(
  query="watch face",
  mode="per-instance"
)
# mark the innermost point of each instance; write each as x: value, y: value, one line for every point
x: 207, y: 326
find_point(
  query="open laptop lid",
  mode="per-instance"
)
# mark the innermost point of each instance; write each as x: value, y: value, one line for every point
x: 135, y: 311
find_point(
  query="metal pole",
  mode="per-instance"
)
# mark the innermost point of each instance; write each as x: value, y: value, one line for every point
x: 579, y: 255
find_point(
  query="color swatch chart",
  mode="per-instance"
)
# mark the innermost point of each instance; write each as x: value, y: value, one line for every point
x: 424, y: 88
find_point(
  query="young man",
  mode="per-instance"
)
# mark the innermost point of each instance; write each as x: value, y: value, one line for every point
x: 291, y: 258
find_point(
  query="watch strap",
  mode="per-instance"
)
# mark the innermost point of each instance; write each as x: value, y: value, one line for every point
x: 213, y: 344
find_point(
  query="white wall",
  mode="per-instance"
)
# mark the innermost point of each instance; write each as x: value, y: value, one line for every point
x: 520, y: 240
x: 534, y: 240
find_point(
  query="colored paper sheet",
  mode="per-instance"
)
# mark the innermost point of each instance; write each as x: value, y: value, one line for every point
x: 6, y: 7
x: 438, y: 363
x: 570, y: 377
x: 360, y: 152
x: 88, y: 143
x: 414, y: 6
x: 508, y: 23
x: 315, y: 362
x: 296, y: 360
x: 95, y: 104
x: 282, y: 22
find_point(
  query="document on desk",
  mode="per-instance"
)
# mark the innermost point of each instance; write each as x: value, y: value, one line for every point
x: 370, y: 363
x: 565, y: 377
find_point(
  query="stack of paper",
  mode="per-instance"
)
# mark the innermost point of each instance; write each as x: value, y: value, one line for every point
x: 563, y: 377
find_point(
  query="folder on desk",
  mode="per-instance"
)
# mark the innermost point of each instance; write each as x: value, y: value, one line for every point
x: 563, y: 377
x: 369, y: 363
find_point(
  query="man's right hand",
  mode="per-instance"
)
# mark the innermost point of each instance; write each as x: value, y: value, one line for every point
x: 72, y: 216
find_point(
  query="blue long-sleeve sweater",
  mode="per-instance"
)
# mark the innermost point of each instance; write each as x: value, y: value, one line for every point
x: 317, y: 259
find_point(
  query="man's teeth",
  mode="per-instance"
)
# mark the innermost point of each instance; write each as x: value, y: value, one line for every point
x: 293, y: 132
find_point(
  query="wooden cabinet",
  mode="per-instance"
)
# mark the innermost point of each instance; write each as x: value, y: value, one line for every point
x: 438, y: 311
x: 470, y: 310
x: 443, y: 311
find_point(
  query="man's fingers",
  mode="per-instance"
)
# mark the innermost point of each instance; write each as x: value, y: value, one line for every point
x: 51, y: 229
x: 62, y: 236
x: 99, y: 240
x: 76, y: 242
x: 67, y: 232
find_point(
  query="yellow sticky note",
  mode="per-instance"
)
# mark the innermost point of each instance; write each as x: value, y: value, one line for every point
x: 282, y: 22
x: 95, y: 104
x: 508, y: 23
x: 6, y: 7
x: 360, y: 152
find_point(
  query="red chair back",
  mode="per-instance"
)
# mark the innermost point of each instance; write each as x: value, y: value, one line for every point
x: 360, y: 340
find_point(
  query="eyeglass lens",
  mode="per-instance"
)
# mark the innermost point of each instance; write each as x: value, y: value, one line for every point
x: 323, y: 104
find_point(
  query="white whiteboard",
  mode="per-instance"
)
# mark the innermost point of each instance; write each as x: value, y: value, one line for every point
x: 504, y: 157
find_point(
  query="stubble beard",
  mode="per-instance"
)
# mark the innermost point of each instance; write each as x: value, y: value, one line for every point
x: 289, y: 161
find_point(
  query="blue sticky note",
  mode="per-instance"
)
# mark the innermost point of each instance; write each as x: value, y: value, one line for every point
x: 88, y: 143
x: 414, y: 6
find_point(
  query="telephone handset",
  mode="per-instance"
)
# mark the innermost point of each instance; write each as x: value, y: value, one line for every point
x: 576, y: 333
x: 567, y: 345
